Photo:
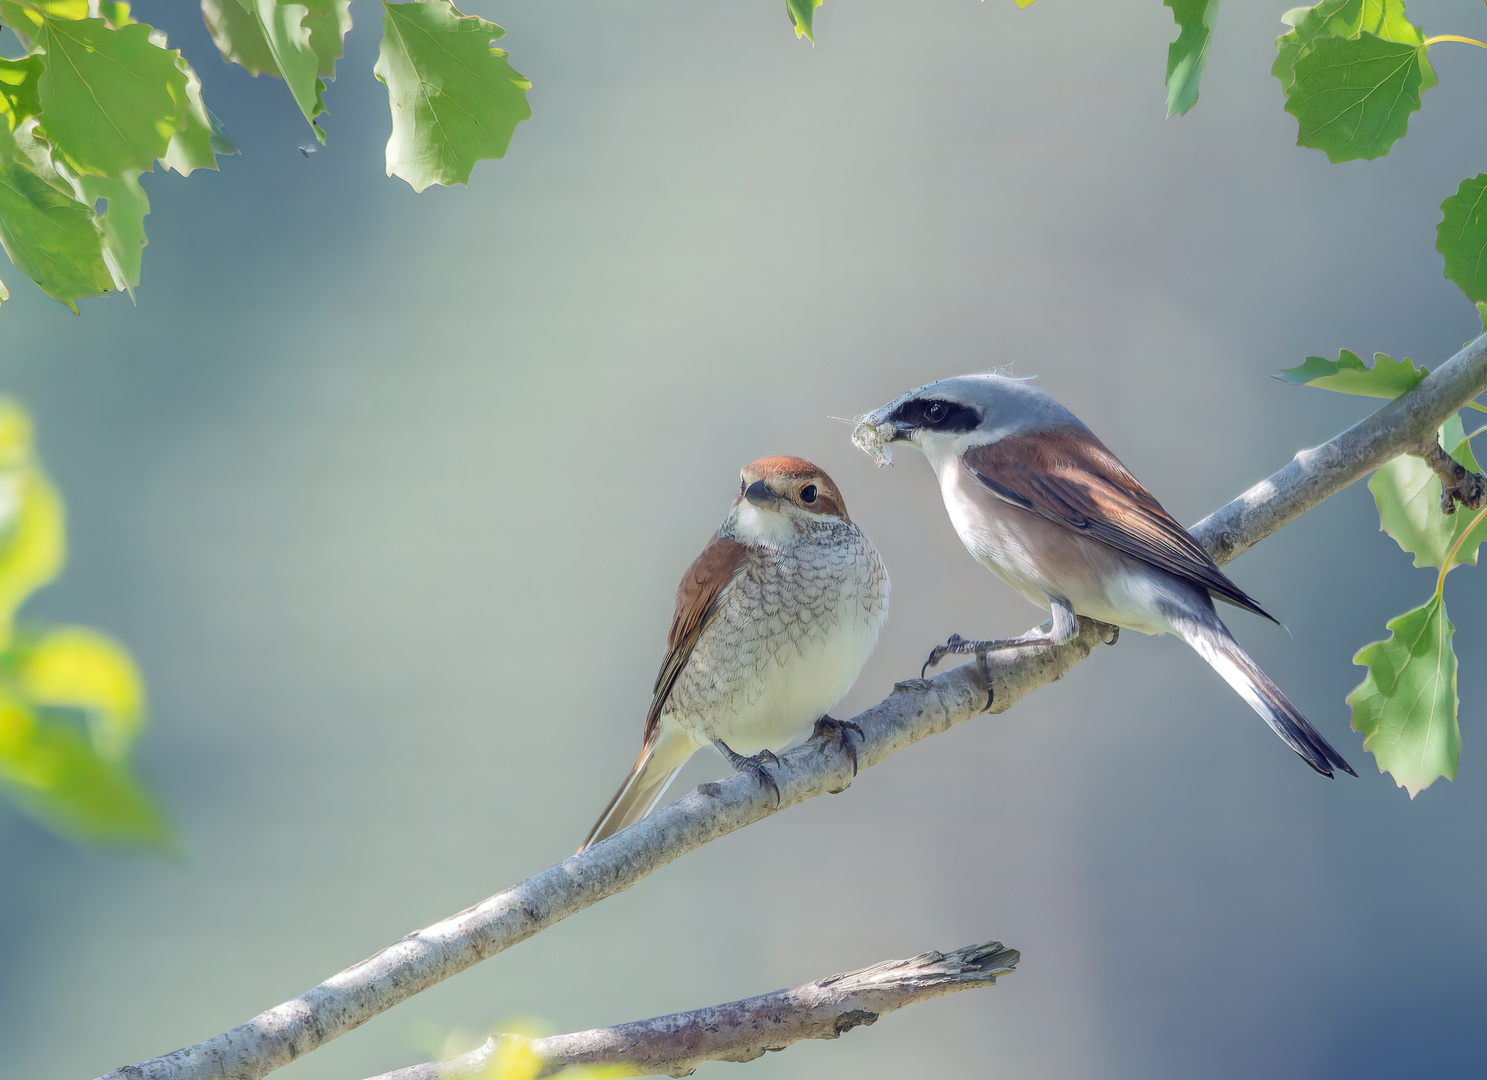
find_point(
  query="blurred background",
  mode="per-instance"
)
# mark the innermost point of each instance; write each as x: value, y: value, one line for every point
x: 389, y: 495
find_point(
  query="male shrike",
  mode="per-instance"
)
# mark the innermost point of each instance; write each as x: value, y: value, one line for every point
x: 773, y: 622
x: 1040, y: 502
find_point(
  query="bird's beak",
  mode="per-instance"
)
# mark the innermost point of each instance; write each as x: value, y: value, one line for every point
x: 875, y: 431
x: 759, y: 494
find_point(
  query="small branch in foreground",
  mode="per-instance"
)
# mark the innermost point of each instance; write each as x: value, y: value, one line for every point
x: 1458, y: 484
x: 912, y: 712
x: 743, y: 1030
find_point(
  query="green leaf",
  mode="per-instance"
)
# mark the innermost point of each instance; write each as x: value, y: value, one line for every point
x: 48, y: 234
x: 4, y: 293
x: 1341, y: 18
x: 1481, y: 313
x: 803, y: 13
x: 122, y: 224
x: 1349, y: 375
x: 1352, y: 98
x: 288, y: 41
x: 18, y: 97
x: 196, y: 145
x: 109, y: 98
x: 1405, y: 707
x: 1461, y: 238
x: 52, y: 771
x: 32, y: 546
x: 1187, y: 56
x: 26, y: 17
x: 455, y: 100
x: 1408, y: 494
x: 238, y: 29
x: 74, y: 667
x: 238, y: 36
x: 329, y: 21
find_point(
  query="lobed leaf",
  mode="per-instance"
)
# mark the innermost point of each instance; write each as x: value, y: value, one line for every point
x: 239, y: 31
x: 1348, y: 374
x: 1461, y: 238
x: 198, y: 141
x: 1188, y: 54
x: 1352, y: 97
x: 1408, y: 494
x: 803, y: 13
x: 1405, y: 707
x: 122, y: 224
x: 454, y: 98
x: 49, y: 235
x: 1342, y: 18
x: 109, y: 98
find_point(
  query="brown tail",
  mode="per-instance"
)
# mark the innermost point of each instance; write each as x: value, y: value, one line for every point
x: 660, y: 760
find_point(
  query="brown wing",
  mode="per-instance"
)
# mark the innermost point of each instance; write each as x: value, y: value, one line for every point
x: 696, y: 602
x: 1070, y: 478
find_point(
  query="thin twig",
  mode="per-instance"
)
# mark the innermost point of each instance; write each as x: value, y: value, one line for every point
x: 744, y: 1030
x: 913, y: 711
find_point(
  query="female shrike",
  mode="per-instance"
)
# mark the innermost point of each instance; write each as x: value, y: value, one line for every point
x: 1040, y: 502
x: 773, y: 622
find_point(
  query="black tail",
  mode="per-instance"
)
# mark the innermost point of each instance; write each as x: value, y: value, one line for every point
x: 1212, y: 641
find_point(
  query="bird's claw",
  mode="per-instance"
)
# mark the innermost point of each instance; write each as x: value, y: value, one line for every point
x: 754, y: 766
x: 957, y: 645
x: 830, y: 729
x: 1114, y: 636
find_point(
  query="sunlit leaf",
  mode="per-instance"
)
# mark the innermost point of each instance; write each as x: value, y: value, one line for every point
x: 1352, y: 98
x: 73, y: 667
x: 238, y: 29
x: 31, y: 526
x: 1343, y: 18
x: 1188, y: 54
x: 122, y: 224
x: 109, y: 98
x: 1349, y: 375
x: 1408, y: 494
x: 1461, y: 237
x: 1405, y: 707
x: 4, y: 293
x: 455, y: 100
x: 196, y: 144
x: 18, y: 97
x: 26, y: 16
x: 272, y: 38
x: 51, y: 770
x: 802, y: 14
x: 49, y: 235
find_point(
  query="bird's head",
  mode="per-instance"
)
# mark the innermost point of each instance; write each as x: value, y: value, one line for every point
x: 780, y: 497
x: 945, y: 418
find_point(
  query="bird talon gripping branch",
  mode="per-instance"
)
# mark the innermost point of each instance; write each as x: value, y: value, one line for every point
x: 831, y: 730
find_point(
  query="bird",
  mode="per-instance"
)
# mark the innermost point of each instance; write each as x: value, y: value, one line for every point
x: 1039, y: 501
x: 772, y: 625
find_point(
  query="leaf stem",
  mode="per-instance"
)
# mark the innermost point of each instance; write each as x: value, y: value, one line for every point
x: 1440, y: 582
x: 1453, y: 37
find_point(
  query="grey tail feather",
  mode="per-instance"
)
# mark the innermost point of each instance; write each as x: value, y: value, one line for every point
x: 636, y: 797
x: 1212, y: 641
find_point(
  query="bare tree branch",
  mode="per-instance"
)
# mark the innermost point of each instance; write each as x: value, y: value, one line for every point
x: 912, y: 712
x: 743, y: 1030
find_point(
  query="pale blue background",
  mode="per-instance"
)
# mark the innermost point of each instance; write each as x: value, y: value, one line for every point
x: 389, y: 494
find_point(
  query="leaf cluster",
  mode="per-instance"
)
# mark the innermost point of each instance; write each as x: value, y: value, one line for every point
x: 71, y: 702
x: 98, y: 99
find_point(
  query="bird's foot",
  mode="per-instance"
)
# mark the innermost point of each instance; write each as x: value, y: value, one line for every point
x: 959, y: 646
x: 1114, y: 636
x: 831, y: 730
x: 754, y: 766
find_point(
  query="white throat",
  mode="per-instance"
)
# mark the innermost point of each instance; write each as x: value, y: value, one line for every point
x: 762, y: 528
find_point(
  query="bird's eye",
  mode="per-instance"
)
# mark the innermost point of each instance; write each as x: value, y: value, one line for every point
x: 808, y: 493
x: 935, y: 412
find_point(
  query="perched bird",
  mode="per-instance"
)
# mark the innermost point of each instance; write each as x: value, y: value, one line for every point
x: 773, y: 622
x: 1040, y: 502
